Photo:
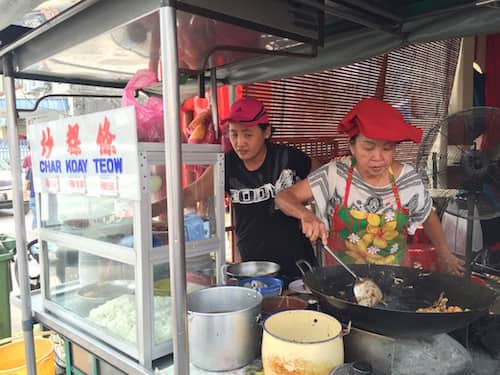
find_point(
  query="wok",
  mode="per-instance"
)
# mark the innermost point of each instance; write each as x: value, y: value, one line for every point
x: 405, y: 290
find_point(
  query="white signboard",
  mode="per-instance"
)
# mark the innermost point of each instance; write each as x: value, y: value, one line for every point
x: 94, y: 154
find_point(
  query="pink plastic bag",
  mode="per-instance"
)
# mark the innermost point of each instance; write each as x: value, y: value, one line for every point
x: 149, y: 115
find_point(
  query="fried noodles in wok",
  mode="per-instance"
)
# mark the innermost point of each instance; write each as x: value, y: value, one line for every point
x: 440, y: 306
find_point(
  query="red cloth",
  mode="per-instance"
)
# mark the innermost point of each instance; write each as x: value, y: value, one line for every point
x: 376, y: 119
x: 248, y: 111
x: 492, y: 70
x: 491, y: 136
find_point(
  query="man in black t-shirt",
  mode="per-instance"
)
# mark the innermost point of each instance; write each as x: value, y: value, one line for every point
x: 264, y: 232
x: 255, y: 171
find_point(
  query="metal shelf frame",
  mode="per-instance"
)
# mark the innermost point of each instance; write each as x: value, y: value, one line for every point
x: 143, y: 256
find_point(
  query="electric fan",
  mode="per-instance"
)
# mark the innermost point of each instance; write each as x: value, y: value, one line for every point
x: 459, y: 158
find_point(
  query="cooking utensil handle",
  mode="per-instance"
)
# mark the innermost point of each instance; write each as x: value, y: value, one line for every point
x: 259, y: 320
x: 494, y: 304
x: 327, y: 248
x: 302, y: 264
x: 223, y: 270
x: 346, y: 330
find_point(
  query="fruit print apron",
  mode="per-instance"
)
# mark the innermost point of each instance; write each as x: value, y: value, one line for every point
x: 362, y: 237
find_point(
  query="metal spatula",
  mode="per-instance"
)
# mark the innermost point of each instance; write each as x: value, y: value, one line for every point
x: 366, y: 291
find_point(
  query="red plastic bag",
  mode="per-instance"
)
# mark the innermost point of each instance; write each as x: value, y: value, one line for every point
x: 149, y: 115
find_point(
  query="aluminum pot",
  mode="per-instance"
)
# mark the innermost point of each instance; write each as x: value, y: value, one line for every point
x: 224, y: 327
x: 302, y: 342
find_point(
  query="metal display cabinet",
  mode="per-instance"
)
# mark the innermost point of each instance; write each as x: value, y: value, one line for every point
x: 81, y: 362
x: 105, y: 270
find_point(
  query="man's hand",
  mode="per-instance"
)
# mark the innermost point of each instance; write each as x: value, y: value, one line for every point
x: 449, y: 263
x: 159, y: 207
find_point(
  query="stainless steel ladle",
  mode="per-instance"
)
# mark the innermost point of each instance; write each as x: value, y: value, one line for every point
x: 366, y: 291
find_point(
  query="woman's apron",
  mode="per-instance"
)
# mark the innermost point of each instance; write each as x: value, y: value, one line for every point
x: 362, y: 237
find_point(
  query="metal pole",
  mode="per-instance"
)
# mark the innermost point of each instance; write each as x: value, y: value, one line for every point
x: 471, y: 204
x: 175, y: 207
x: 215, y: 101
x: 18, y: 202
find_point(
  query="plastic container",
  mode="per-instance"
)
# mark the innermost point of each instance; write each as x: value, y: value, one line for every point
x: 194, y: 228
x: 267, y: 286
x: 5, y: 287
x: 424, y: 257
x: 13, y: 361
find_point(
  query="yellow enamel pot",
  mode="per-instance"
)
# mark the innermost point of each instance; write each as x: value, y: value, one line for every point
x: 302, y: 342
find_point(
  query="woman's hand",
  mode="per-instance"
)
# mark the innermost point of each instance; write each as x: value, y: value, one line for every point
x: 313, y: 228
x: 449, y: 263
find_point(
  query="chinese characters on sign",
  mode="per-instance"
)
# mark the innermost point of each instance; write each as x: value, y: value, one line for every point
x: 105, y: 138
x: 52, y: 184
x: 72, y: 140
x: 108, y: 186
x: 94, y: 154
x: 47, y: 143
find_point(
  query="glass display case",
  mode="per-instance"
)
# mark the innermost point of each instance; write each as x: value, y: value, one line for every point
x: 105, y: 260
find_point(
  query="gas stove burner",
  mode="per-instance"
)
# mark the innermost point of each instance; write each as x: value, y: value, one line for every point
x: 422, y: 356
x: 355, y: 368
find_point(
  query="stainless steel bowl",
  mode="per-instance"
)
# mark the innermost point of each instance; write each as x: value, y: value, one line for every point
x: 98, y: 293
x: 251, y: 269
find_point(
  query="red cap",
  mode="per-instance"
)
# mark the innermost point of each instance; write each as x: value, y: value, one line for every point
x: 378, y: 120
x: 248, y: 112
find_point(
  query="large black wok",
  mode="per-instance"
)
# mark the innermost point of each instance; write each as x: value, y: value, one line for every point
x: 405, y: 290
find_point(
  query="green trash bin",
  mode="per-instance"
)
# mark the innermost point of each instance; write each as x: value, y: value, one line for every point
x: 5, y: 288
x: 7, y: 243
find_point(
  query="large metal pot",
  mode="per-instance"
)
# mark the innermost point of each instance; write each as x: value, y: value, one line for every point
x: 224, y: 327
x: 301, y: 342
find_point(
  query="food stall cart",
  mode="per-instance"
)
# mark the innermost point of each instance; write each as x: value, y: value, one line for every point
x: 105, y: 42
x: 105, y: 261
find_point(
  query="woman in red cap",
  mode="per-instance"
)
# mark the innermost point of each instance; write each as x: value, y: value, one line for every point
x: 369, y: 201
x: 255, y: 171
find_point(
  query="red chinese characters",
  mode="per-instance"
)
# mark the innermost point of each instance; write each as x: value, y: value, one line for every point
x: 52, y: 184
x: 47, y: 143
x: 76, y: 185
x: 105, y: 139
x: 73, y: 140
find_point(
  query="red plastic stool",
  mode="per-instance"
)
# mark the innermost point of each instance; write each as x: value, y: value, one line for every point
x: 419, y: 237
x: 423, y: 256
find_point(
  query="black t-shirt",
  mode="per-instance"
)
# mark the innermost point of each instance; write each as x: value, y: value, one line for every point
x: 264, y: 232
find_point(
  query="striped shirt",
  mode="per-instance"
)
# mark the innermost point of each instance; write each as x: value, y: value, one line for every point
x: 328, y: 187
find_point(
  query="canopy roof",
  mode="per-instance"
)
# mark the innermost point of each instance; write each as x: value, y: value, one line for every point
x: 104, y: 42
